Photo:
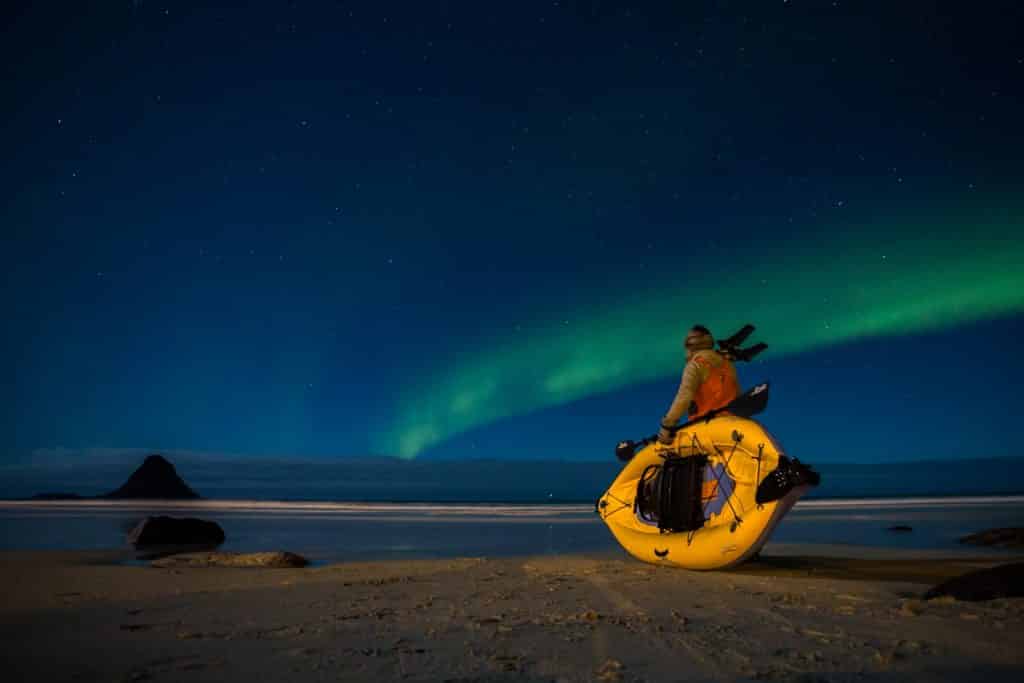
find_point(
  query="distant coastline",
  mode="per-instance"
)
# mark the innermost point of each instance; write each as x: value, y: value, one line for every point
x: 489, y: 506
x: 455, y: 482
x: 1008, y: 495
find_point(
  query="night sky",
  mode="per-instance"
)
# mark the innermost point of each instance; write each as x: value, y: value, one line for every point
x: 474, y: 229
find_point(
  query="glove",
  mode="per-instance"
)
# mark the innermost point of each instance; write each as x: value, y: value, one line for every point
x: 666, y: 436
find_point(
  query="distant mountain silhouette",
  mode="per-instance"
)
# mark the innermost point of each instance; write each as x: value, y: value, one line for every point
x: 58, y: 496
x: 155, y: 478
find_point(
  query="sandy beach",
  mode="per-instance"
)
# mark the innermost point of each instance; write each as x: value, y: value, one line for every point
x: 81, y: 616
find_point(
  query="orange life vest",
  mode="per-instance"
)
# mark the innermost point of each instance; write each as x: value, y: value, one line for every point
x: 718, y: 390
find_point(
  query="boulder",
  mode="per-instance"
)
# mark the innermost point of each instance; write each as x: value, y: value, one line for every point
x: 900, y: 528
x: 155, y: 478
x: 277, y: 560
x: 1005, y: 538
x: 1004, y: 581
x: 175, y: 531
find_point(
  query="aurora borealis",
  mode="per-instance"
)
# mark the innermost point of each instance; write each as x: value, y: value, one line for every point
x: 459, y: 230
x: 845, y: 289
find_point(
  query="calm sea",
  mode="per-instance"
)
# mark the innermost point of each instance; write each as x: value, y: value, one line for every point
x: 333, y: 532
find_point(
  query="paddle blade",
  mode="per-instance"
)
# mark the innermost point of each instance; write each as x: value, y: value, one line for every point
x: 739, y: 337
x: 751, y: 402
x: 748, y: 353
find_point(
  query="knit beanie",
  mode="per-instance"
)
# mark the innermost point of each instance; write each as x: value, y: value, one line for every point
x: 699, y: 338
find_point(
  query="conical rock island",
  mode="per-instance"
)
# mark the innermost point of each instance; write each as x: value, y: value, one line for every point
x: 155, y: 478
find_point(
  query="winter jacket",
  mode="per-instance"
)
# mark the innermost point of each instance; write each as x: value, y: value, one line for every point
x: 709, y: 380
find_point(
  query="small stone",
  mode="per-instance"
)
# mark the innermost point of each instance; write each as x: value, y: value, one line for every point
x: 136, y: 627
x: 909, y: 608
x: 610, y: 671
x: 272, y: 560
x: 1007, y: 538
x: 506, y: 662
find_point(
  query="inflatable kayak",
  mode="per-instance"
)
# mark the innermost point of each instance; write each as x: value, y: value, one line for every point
x: 709, y: 500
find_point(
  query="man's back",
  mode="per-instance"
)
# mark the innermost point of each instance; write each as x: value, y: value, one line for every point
x: 717, y: 384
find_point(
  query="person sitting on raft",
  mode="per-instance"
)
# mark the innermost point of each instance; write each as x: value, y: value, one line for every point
x: 709, y: 382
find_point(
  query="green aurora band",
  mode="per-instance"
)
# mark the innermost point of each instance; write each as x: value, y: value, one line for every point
x: 860, y: 281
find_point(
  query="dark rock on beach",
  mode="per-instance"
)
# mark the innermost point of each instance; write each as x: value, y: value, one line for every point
x: 1004, y: 538
x: 1004, y: 581
x: 174, y: 531
x: 900, y: 528
x: 155, y: 478
x: 276, y: 560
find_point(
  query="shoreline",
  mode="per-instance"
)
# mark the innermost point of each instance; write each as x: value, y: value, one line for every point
x: 807, y: 503
x: 553, y: 618
x: 329, y: 532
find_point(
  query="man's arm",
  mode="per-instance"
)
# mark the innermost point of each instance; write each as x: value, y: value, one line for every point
x: 688, y: 386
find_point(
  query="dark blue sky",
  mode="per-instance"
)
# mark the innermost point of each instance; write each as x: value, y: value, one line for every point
x: 311, y: 228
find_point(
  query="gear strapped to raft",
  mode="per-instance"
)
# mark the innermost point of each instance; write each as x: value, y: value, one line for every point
x: 670, y: 494
x: 787, y: 476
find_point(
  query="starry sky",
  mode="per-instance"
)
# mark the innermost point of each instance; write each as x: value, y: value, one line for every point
x: 456, y: 229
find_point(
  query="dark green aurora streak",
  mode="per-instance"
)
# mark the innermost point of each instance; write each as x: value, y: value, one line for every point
x: 881, y: 277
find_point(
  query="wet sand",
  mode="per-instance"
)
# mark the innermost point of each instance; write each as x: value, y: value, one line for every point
x: 75, y: 616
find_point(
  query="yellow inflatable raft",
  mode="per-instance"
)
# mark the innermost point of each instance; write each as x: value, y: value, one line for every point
x: 709, y: 500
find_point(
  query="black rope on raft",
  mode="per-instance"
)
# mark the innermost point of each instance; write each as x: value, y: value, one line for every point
x: 622, y: 507
x: 728, y: 458
x: 718, y: 482
x: 728, y: 499
x: 757, y: 478
x: 623, y: 503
